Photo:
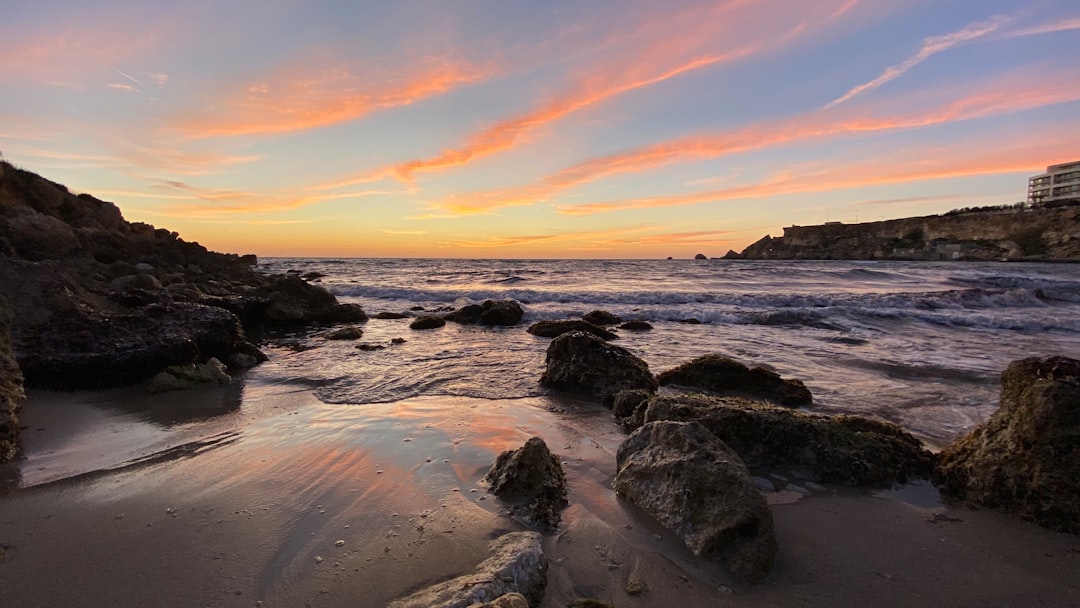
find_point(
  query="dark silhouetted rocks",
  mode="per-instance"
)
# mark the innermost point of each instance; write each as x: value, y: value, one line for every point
x: 530, y: 481
x: 1025, y: 460
x: 726, y: 376
x: 583, y: 363
x: 697, y: 487
x: 390, y: 315
x: 552, y: 329
x: 350, y: 332
x: 185, y: 377
x: 427, y: 322
x: 851, y: 450
x: 601, y: 317
x: 636, y: 325
x: 11, y: 390
x: 491, y: 312
x: 701, y: 256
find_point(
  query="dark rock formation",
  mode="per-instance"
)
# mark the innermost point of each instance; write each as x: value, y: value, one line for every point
x: 1025, y: 459
x: 350, y: 332
x: 510, y: 600
x: 369, y: 347
x: 293, y: 301
x: 491, y: 312
x: 629, y: 407
x: 530, y: 480
x: 390, y: 315
x: 184, y: 377
x: 636, y: 325
x: 552, y: 329
x: 845, y: 449
x: 517, y: 565
x: 700, y: 256
x: 11, y: 390
x: 723, y: 375
x: 698, y: 488
x: 427, y: 322
x: 585, y: 364
x: 601, y: 317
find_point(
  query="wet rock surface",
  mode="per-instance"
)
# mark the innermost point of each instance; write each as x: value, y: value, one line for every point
x: 427, y: 322
x: 723, y: 375
x: 11, y: 390
x: 699, y: 488
x: 585, y: 364
x: 491, y: 312
x: 517, y: 565
x: 184, y: 377
x: 350, y: 332
x: 1025, y: 460
x: 845, y: 449
x: 530, y: 480
x: 601, y: 317
x: 553, y: 329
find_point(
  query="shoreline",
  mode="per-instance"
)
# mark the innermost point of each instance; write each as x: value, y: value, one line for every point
x: 399, y: 482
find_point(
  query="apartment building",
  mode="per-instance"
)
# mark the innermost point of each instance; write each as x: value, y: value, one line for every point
x: 1060, y: 183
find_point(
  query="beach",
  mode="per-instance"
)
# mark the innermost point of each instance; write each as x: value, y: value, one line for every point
x: 270, y: 497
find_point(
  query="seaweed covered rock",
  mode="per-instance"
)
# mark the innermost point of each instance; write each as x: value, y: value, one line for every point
x: 517, y: 565
x: 845, y: 449
x: 601, y: 317
x: 554, y: 329
x: 1025, y: 459
x: 724, y: 375
x: 583, y: 363
x: 11, y: 390
x: 530, y: 480
x: 491, y: 312
x: 697, y: 487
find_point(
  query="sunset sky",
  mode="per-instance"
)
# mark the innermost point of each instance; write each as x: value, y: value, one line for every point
x: 535, y: 129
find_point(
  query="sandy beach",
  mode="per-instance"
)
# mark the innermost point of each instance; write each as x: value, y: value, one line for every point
x: 267, y: 497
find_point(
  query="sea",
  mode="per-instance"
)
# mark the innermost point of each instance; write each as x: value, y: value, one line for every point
x: 920, y: 344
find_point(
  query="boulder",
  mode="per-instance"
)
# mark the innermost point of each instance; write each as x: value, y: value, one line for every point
x: 582, y: 363
x: 510, y: 600
x: 390, y: 315
x: 37, y: 236
x: 350, y: 332
x: 491, y: 312
x: 427, y: 322
x: 1025, y: 460
x: 135, y: 281
x: 697, y: 487
x: 11, y: 390
x: 294, y: 301
x: 726, y: 376
x: 851, y: 450
x: 552, y: 329
x: 184, y: 377
x: 517, y: 565
x: 629, y: 407
x: 601, y: 317
x: 530, y: 480
x: 636, y: 325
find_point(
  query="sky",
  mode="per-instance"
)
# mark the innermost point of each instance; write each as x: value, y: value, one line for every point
x: 558, y: 129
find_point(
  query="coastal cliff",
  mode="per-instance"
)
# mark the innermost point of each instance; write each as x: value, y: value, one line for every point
x: 1001, y: 233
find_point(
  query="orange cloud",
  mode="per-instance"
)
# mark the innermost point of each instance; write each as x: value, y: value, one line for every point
x: 1007, y: 95
x: 296, y: 99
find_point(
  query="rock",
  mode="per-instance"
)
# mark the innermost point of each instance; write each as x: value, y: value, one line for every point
x: 697, y: 487
x: 700, y: 256
x: 629, y: 407
x: 727, y: 376
x: 601, y: 317
x: 491, y: 312
x: 552, y: 329
x: 851, y: 450
x: 144, y: 268
x: 312, y: 275
x: 294, y: 301
x: 517, y: 565
x: 732, y: 255
x: 184, y: 377
x: 427, y: 322
x: 510, y: 600
x: 369, y: 347
x: 345, y: 333
x: 530, y: 479
x: 390, y: 315
x: 636, y: 325
x: 11, y: 390
x: 135, y: 281
x: 585, y: 364
x: 397, y: 340
x: 690, y: 321
x: 1025, y: 460
x: 38, y: 236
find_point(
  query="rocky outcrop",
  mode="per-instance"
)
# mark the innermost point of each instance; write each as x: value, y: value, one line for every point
x: 636, y: 325
x: 1025, y: 459
x: 11, y: 390
x: 553, y: 329
x: 293, y: 301
x: 726, y: 376
x: 427, y: 322
x: 583, y: 363
x: 350, y: 332
x: 601, y: 317
x: 517, y: 565
x: 1013, y: 233
x: 491, y: 312
x: 185, y: 377
x: 698, y: 488
x: 851, y: 450
x: 510, y: 600
x: 530, y: 481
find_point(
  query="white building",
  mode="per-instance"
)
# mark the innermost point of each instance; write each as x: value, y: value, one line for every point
x: 1060, y: 183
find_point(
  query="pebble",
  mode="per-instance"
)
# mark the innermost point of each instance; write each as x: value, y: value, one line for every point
x: 339, y: 543
x: 318, y: 559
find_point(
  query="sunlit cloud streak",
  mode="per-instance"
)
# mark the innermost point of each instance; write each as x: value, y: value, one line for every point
x: 1044, y: 28
x: 930, y: 46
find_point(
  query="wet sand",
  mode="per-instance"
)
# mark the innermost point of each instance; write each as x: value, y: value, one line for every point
x: 268, y: 495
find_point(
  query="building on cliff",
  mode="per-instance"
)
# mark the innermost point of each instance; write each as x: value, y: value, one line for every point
x: 1060, y: 184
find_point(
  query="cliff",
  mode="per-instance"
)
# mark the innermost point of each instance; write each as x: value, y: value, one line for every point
x: 1008, y: 233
